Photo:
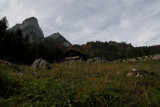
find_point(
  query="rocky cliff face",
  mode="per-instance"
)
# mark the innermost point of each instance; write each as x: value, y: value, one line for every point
x: 30, y: 27
x: 59, y: 38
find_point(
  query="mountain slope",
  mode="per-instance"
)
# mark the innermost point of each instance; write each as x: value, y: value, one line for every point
x: 59, y: 38
x: 30, y: 27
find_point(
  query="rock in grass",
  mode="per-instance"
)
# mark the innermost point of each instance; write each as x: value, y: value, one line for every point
x: 137, y: 73
x: 157, y: 56
x: 6, y: 63
x: 41, y: 64
x: 94, y: 60
x: 130, y: 74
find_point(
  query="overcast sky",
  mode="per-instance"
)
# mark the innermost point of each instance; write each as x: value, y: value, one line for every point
x: 79, y: 21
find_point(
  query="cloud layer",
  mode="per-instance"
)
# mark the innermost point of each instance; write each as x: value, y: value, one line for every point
x: 79, y: 21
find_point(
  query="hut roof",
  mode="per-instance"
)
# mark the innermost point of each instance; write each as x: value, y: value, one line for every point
x: 74, y: 54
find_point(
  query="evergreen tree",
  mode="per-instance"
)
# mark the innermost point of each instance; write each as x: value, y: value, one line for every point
x: 3, y: 34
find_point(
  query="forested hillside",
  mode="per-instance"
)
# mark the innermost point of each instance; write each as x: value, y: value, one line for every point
x: 114, y: 50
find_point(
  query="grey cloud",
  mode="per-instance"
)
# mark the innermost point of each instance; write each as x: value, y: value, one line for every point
x: 79, y: 21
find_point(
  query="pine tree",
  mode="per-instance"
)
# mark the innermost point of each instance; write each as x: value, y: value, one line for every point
x: 3, y: 34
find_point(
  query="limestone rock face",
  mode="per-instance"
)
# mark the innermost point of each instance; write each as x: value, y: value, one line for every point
x: 31, y: 28
x: 41, y: 64
x: 59, y: 38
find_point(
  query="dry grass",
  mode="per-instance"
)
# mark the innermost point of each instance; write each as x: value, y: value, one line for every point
x: 82, y: 84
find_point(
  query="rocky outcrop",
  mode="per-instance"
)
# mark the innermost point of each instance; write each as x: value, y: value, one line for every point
x: 141, y: 73
x: 137, y: 73
x: 144, y: 58
x: 157, y: 56
x: 59, y: 38
x: 3, y: 62
x: 94, y: 60
x: 31, y: 28
x: 41, y: 65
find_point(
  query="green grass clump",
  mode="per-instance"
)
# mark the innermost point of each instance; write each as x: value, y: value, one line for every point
x: 78, y: 84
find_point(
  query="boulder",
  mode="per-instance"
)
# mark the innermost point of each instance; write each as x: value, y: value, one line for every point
x: 6, y: 63
x: 130, y: 74
x: 119, y: 60
x: 139, y: 59
x: 132, y: 60
x: 139, y: 73
x: 94, y: 60
x: 157, y: 56
x: 41, y: 64
x: 146, y: 58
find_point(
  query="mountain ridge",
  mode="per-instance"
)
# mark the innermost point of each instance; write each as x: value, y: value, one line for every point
x: 59, y: 38
x: 31, y: 27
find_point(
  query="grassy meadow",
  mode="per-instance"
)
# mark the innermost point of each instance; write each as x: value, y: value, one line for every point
x: 78, y: 84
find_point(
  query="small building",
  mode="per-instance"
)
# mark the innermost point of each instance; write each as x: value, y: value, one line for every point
x: 74, y: 55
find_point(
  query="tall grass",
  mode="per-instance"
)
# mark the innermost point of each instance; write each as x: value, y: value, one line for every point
x: 81, y: 84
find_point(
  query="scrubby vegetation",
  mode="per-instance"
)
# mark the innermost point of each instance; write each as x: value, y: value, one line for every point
x: 80, y: 84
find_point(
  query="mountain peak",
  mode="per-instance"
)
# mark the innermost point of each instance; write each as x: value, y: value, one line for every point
x: 30, y: 27
x: 31, y: 21
x: 31, y: 18
x: 55, y: 35
x: 58, y: 37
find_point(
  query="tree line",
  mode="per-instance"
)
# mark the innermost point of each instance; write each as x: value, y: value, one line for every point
x: 115, y: 50
x: 17, y: 48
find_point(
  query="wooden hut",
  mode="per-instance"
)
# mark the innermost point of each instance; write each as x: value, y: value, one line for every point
x: 74, y: 55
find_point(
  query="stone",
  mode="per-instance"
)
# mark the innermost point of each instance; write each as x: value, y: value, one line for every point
x: 157, y: 56
x: 139, y: 75
x: 94, y: 60
x: 132, y: 60
x: 139, y: 58
x: 133, y: 69
x: 41, y: 65
x: 3, y: 62
x: 142, y: 72
x: 119, y: 60
x: 146, y: 57
x: 118, y: 73
x: 7, y: 63
x: 130, y: 74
